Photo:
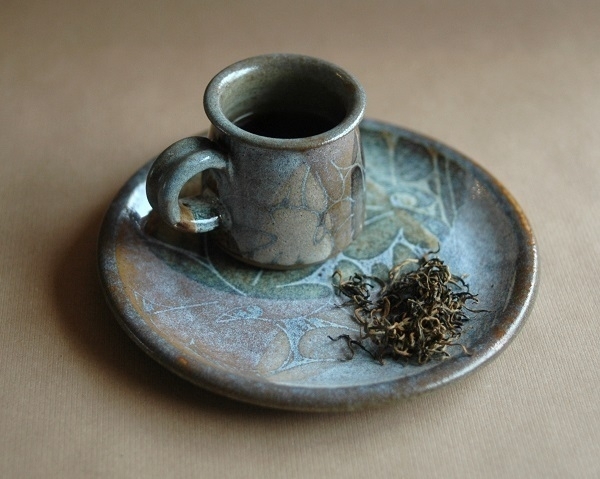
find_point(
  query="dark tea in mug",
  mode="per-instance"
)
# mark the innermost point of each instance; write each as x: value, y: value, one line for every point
x: 286, y: 124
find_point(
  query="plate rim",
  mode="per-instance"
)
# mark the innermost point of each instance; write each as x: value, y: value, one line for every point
x: 262, y: 392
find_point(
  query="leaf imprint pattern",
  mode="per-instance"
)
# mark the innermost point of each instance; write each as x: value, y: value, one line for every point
x: 279, y: 321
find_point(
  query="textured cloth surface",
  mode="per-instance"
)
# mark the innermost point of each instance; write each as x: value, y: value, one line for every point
x: 89, y: 91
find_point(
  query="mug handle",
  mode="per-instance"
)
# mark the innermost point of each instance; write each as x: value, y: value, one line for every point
x: 171, y: 170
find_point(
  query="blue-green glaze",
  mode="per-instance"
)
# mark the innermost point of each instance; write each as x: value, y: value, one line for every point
x: 261, y: 336
x: 277, y: 203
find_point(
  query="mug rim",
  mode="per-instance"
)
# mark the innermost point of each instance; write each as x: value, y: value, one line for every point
x: 220, y: 121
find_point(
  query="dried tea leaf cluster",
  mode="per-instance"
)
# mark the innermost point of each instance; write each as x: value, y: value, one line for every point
x: 414, y: 315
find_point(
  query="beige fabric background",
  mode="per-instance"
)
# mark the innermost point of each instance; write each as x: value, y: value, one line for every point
x: 89, y: 91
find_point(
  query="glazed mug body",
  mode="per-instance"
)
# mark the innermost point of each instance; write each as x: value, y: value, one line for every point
x: 283, y: 171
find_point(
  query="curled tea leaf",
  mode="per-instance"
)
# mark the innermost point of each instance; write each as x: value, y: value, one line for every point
x: 414, y: 315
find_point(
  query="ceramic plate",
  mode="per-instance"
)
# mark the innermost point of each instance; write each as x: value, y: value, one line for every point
x: 262, y: 336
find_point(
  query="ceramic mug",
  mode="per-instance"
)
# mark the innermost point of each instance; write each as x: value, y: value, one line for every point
x: 283, y: 172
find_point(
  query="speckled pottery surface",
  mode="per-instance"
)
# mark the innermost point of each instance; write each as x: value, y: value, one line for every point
x: 284, y: 183
x: 261, y: 336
